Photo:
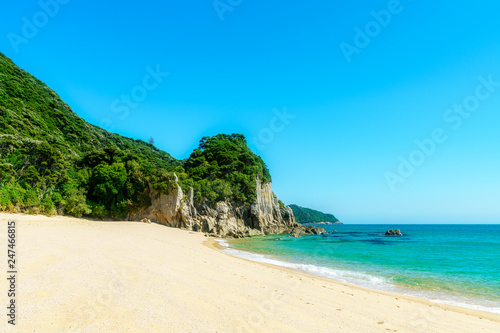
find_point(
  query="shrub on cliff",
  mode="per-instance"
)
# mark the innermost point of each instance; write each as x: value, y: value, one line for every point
x: 223, y: 167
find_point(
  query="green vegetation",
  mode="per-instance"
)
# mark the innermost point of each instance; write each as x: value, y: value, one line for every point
x: 224, y: 167
x: 53, y: 162
x: 306, y: 215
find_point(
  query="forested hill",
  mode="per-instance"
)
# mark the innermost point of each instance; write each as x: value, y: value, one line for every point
x: 52, y: 161
x: 32, y: 114
x: 307, y: 215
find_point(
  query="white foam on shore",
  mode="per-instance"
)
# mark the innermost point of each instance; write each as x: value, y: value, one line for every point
x: 345, y: 276
x: 359, y: 279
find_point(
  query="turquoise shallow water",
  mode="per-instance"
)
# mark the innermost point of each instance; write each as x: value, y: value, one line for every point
x: 453, y: 264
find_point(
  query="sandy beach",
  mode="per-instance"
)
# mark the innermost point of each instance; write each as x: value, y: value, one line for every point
x: 77, y: 275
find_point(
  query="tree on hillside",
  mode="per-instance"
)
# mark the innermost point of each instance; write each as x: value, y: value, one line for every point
x: 224, y: 168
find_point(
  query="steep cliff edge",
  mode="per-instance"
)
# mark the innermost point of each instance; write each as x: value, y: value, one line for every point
x: 224, y: 219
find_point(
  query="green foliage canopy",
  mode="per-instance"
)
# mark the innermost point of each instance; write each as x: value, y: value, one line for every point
x: 223, y: 167
x: 307, y: 215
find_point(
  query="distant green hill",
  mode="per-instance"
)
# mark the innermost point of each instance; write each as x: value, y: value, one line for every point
x: 307, y: 215
x: 52, y: 161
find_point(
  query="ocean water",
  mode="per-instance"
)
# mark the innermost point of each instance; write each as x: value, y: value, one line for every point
x: 451, y: 264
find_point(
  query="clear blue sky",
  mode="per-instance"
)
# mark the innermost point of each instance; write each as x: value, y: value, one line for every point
x: 359, y: 101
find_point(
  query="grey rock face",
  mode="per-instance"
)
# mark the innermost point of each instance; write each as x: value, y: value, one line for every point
x: 226, y: 219
x: 165, y: 209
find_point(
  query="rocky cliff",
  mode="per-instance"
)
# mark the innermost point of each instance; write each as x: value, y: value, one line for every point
x: 225, y: 219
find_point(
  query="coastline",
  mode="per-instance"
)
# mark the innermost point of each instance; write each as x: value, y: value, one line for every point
x: 360, y: 278
x: 82, y: 275
x: 215, y: 244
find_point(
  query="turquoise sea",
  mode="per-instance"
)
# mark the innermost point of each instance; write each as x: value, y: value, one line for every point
x: 452, y: 264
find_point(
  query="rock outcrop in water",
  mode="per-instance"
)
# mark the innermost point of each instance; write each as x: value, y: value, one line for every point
x: 224, y: 219
x: 393, y: 232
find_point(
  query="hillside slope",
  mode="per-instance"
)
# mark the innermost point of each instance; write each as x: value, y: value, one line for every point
x: 31, y: 112
x: 307, y: 215
x: 53, y: 162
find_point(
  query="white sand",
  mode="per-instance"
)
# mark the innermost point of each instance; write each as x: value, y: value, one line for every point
x: 83, y: 276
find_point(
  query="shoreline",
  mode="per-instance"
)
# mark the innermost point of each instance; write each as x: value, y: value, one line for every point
x: 82, y: 275
x: 215, y: 244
